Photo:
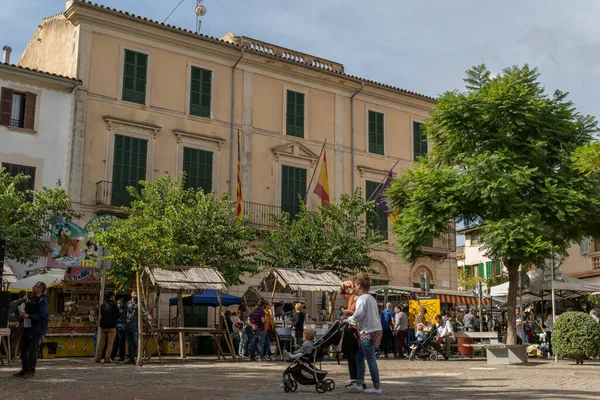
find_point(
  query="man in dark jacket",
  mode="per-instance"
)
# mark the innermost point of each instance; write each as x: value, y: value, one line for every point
x: 34, y: 321
x: 109, y: 315
x: 13, y: 320
x: 131, y: 326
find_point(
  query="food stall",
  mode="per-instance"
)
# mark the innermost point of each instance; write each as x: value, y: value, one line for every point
x: 182, y: 280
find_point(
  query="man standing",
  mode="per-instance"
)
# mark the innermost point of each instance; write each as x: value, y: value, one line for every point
x: 109, y: 315
x: 13, y: 320
x: 387, y: 323
x: 131, y: 326
x: 445, y: 335
x: 469, y: 321
x: 34, y: 321
x: 258, y: 319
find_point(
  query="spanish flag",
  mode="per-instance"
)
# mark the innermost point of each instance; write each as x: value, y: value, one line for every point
x: 239, y: 211
x: 322, y: 188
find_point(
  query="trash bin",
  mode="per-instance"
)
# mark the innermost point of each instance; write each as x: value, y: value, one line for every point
x: 465, y: 351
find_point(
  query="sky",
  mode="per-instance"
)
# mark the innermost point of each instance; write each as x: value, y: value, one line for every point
x: 419, y: 45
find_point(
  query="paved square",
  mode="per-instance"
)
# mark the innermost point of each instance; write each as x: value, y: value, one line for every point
x: 80, y: 378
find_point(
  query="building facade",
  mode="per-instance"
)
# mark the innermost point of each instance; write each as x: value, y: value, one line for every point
x: 472, y: 258
x: 583, y: 260
x: 163, y: 101
x: 36, y: 126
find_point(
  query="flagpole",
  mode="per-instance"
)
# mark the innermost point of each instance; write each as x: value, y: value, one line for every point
x: 376, y: 192
x: 314, y: 172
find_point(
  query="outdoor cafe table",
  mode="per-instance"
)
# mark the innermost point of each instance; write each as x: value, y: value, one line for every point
x: 215, y: 332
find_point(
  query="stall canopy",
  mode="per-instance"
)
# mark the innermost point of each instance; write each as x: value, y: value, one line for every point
x: 207, y: 298
x: 52, y: 278
x: 252, y: 295
x: 445, y: 296
x: 565, y: 287
x: 179, y: 278
x: 300, y: 279
x: 8, y: 276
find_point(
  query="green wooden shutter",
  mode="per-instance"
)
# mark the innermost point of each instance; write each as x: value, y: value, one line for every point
x: 293, y: 184
x: 469, y: 270
x: 294, y: 118
x: 198, y: 167
x: 134, y: 77
x: 376, y: 135
x: 129, y: 167
x: 480, y: 270
x: 376, y: 219
x: 419, y: 140
x: 488, y: 269
x: 200, y: 92
x: 498, y: 268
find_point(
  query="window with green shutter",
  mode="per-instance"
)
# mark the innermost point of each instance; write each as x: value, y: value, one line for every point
x: 376, y: 132
x: 294, y: 117
x: 488, y: 270
x: 480, y: 270
x: 419, y: 140
x: 134, y: 77
x: 469, y: 270
x: 200, y: 92
x: 376, y: 219
x: 498, y: 268
x: 198, y: 167
x: 129, y: 167
x: 293, y: 189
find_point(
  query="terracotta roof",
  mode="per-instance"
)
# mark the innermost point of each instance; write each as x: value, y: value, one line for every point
x: 311, y: 65
x: 75, y: 80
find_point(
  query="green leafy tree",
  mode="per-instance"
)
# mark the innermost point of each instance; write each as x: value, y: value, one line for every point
x: 502, y: 154
x: 587, y: 158
x: 576, y: 335
x: 26, y: 216
x: 171, y: 225
x: 333, y: 238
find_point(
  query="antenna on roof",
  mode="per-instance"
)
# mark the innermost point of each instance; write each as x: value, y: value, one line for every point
x: 200, y: 11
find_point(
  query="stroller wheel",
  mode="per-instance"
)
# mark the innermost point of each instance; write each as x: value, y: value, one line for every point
x: 412, y: 356
x: 433, y: 356
x: 286, y: 388
x: 330, y: 384
x: 320, y: 387
x: 293, y: 386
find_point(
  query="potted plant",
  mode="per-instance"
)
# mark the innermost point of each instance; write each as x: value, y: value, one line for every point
x: 576, y: 336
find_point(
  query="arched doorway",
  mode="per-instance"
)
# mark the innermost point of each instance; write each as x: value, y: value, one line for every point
x: 381, y: 276
x: 416, y: 276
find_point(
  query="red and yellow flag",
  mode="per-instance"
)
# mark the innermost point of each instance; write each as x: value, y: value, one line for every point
x: 239, y: 211
x: 322, y: 188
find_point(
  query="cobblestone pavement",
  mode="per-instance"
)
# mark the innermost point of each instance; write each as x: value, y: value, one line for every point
x: 80, y: 378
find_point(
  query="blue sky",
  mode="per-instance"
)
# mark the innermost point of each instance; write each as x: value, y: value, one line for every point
x: 419, y: 45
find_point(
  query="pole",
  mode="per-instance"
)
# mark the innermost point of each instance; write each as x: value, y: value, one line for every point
x: 376, y: 192
x: 2, y: 255
x: 553, y: 305
x: 100, y: 263
x: 480, y: 311
x: 315, y: 171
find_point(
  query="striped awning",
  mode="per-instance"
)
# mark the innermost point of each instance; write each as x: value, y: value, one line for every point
x: 455, y: 299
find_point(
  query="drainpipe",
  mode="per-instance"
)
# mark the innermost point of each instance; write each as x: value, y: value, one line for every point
x: 362, y: 86
x: 232, y: 135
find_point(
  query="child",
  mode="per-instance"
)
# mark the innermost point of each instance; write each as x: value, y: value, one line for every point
x: 307, y: 346
x: 420, y: 336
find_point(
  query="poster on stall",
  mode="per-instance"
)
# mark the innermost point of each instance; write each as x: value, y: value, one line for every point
x: 73, y: 247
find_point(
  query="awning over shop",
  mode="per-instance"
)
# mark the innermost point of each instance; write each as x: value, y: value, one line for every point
x: 455, y: 299
x: 185, y: 279
x: 8, y: 274
x: 51, y: 278
x: 301, y: 279
x: 252, y: 295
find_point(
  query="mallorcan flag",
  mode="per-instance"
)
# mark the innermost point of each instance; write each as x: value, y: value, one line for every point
x: 384, y: 203
x: 239, y: 211
x: 322, y: 188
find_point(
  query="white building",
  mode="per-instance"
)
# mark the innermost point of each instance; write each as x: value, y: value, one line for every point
x: 472, y: 258
x: 36, y: 127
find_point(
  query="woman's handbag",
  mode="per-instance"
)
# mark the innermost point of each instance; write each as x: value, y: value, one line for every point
x: 350, y: 341
x: 239, y: 324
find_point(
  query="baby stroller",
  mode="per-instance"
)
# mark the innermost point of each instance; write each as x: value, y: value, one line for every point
x: 422, y: 349
x: 304, y: 370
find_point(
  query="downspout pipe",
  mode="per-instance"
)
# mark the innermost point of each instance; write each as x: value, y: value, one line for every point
x: 232, y: 135
x: 362, y: 86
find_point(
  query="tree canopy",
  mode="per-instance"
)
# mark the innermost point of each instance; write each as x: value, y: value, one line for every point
x: 336, y: 238
x: 27, y: 215
x: 502, y: 154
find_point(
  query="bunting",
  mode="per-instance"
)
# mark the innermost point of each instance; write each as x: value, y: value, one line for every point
x: 384, y: 203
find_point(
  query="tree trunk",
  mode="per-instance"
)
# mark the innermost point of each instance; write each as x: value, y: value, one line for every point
x: 140, y: 353
x: 511, y: 304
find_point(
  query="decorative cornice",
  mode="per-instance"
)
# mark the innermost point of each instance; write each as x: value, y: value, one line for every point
x: 296, y: 150
x: 128, y: 125
x: 365, y: 168
x: 179, y: 133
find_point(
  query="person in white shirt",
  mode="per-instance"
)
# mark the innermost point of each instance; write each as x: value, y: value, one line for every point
x: 445, y: 336
x: 366, y: 317
x: 549, y: 324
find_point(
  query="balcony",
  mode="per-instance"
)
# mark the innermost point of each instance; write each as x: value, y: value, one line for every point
x: 460, y: 252
x: 104, y: 200
x: 260, y: 214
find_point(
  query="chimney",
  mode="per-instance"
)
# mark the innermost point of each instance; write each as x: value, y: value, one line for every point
x: 6, y: 58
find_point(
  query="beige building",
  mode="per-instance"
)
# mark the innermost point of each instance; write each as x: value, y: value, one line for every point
x: 163, y: 100
x: 583, y: 261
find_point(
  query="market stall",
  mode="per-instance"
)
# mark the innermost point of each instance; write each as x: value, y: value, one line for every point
x: 253, y: 295
x: 8, y: 276
x: 182, y: 280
